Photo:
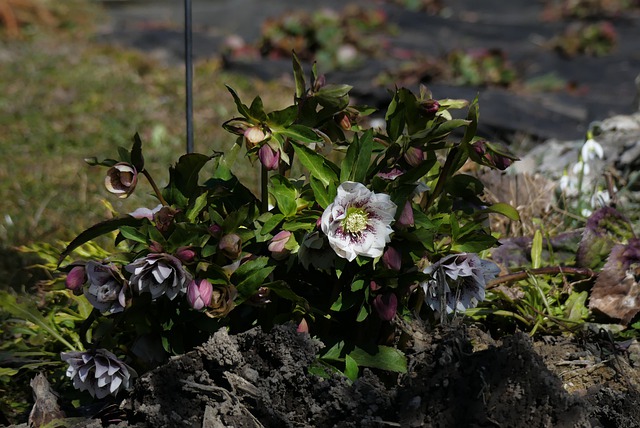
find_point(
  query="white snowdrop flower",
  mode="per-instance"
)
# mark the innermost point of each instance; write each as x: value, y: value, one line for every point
x: 358, y: 221
x: 581, y: 167
x: 568, y: 185
x: 591, y: 150
x: 586, y: 212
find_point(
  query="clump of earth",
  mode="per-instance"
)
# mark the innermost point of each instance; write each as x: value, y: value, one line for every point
x: 458, y: 376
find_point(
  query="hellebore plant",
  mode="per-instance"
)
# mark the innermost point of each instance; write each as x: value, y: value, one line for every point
x: 345, y: 249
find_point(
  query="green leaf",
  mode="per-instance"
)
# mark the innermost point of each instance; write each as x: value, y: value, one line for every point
x: 395, y: 118
x: 134, y: 234
x: 300, y: 133
x: 384, y: 358
x: 137, y: 160
x: 271, y: 223
x: 350, y: 368
x: 284, y: 194
x: 199, y: 204
x: 282, y: 118
x: 363, y: 157
x: 319, y: 167
x: 362, y: 314
x: 257, y: 110
x: 183, y: 179
x: 575, y: 306
x: 250, y: 276
x: 283, y: 290
x: 536, y: 250
x: 320, y: 192
x: 242, y: 109
x: 505, y: 209
x: 98, y: 230
x: 298, y: 75
x: 28, y: 311
x: 472, y: 117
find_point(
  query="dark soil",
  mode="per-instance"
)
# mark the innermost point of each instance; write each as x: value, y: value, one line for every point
x: 458, y: 377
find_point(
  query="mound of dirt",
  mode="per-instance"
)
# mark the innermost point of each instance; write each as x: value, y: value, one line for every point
x: 458, y: 376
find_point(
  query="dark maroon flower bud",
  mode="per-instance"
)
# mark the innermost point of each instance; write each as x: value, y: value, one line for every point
x: 392, y: 259
x: 215, y: 231
x: 164, y: 218
x: 319, y: 82
x: 268, y: 157
x: 156, y: 247
x: 374, y: 286
x: 344, y: 121
x: 414, y: 156
x: 406, y: 217
x: 386, y: 306
x: 185, y: 254
x: 121, y: 179
x: 231, y: 246
x: 429, y: 108
x: 491, y: 155
x: 76, y: 278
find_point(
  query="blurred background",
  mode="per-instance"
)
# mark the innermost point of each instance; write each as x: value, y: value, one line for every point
x: 79, y: 77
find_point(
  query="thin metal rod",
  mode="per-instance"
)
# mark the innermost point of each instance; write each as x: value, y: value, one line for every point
x: 188, y: 62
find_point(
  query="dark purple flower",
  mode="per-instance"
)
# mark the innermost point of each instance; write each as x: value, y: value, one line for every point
x: 158, y: 274
x: 406, y: 217
x: 106, y: 290
x: 99, y: 372
x: 392, y: 259
x: 386, y: 306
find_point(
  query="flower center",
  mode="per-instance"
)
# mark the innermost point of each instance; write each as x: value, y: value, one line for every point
x: 356, y: 220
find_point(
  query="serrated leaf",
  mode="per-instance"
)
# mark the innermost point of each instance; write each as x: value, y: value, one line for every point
x: 300, y: 133
x: 319, y: 167
x: 199, y: 204
x: 242, y: 109
x: 284, y: 194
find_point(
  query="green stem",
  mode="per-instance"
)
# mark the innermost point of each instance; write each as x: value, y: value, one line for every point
x: 156, y: 190
x: 452, y: 158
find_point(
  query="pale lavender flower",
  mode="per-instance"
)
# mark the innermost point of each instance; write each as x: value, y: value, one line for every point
x: 99, y: 372
x: 143, y: 212
x: 462, y: 278
x: 106, y: 290
x: 358, y: 221
x: 199, y: 293
x: 158, y: 274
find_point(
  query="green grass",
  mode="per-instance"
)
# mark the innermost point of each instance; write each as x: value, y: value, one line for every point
x: 62, y: 100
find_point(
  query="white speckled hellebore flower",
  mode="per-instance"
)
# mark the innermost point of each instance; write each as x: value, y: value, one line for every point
x: 465, y: 277
x: 358, y: 221
x: 106, y: 291
x: 99, y: 372
x: 158, y: 274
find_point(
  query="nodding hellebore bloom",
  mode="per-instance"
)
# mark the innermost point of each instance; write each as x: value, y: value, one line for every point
x: 121, y: 179
x: 158, y: 274
x: 358, y: 221
x: 199, y: 294
x: 462, y: 278
x: 99, y: 372
x: 106, y: 291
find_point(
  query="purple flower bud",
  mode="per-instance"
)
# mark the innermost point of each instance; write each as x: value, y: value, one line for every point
x: 386, y: 306
x: 199, y: 293
x: 406, y: 217
x: 121, y: 179
x: 231, y: 246
x: 270, y: 158
x: 215, y: 231
x: 278, y: 243
x: 429, y: 108
x: 344, y: 120
x: 253, y: 136
x: 156, y: 247
x: 392, y: 259
x: 414, y: 156
x: 185, y: 254
x: 76, y: 278
x: 491, y: 155
x: 374, y: 286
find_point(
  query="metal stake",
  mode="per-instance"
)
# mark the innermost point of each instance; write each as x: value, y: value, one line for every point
x: 188, y: 62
